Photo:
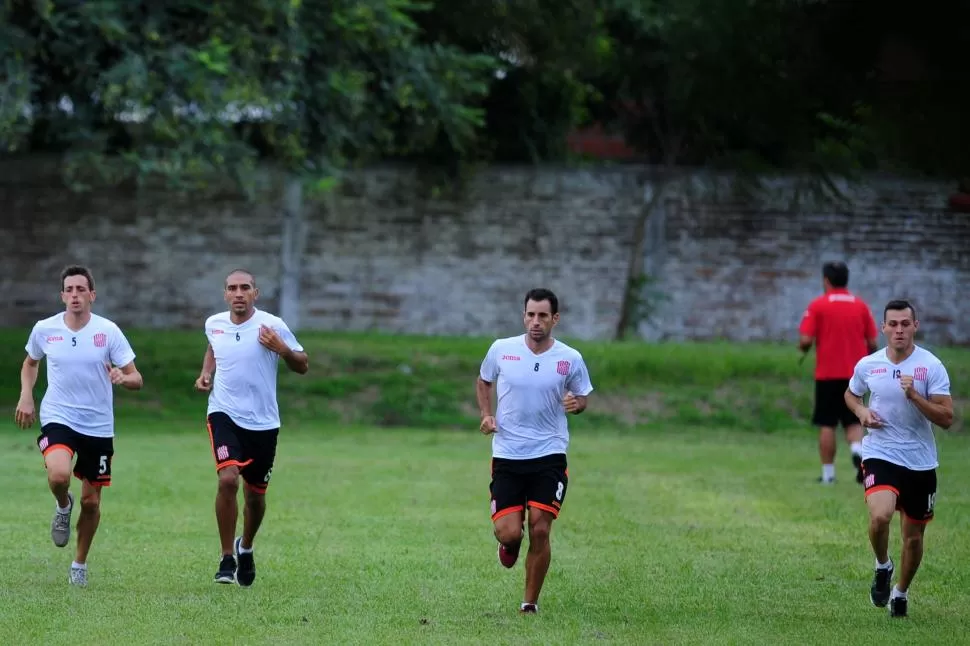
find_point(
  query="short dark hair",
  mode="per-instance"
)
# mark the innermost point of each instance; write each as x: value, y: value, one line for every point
x: 540, y: 294
x: 241, y: 271
x: 898, y: 305
x: 837, y: 273
x: 77, y: 270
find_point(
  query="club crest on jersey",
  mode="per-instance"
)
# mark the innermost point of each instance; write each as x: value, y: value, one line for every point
x: 100, y: 340
x: 919, y: 374
x: 562, y: 367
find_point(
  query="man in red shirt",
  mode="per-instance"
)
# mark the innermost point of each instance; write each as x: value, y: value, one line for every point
x: 841, y: 326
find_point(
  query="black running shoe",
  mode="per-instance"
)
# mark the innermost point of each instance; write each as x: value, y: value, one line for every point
x: 880, y: 591
x: 246, y: 573
x: 897, y: 607
x: 857, y: 462
x: 227, y: 570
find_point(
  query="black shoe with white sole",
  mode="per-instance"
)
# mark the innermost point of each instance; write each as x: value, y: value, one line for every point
x: 227, y: 570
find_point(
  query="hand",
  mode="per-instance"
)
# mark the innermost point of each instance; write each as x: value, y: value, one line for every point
x: 203, y: 383
x: 870, y: 419
x: 270, y: 340
x: 906, y: 383
x: 24, y: 415
x: 570, y: 402
x: 488, y: 424
x: 114, y: 374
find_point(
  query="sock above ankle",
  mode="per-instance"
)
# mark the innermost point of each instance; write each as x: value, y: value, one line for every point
x: 896, y: 594
x: 245, y: 550
x: 526, y: 603
x: 884, y: 566
x: 828, y: 472
x: 856, y: 448
x: 79, y: 566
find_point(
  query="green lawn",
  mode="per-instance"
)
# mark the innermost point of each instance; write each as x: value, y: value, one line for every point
x: 382, y: 536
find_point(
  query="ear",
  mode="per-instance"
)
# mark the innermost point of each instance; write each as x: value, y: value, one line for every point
x: 255, y: 293
x: 94, y: 295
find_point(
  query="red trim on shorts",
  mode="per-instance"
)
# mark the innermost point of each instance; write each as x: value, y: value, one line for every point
x: 921, y: 521
x: 879, y: 488
x: 506, y: 512
x: 261, y: 490
x: 539, y: 505
x: 232, y: 463
x: 54, y: 447
x: 97, y: 484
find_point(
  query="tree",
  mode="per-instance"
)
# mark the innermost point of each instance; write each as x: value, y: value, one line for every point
x: 727, y: 85
x: 187, y: 90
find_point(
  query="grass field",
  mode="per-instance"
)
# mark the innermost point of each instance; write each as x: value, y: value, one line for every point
x: 685, y: 523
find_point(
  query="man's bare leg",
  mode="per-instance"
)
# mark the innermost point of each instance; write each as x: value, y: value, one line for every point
x: 882, y: 506
x: 826, y: 451
x: 540, y: 553
x: 58, y: 463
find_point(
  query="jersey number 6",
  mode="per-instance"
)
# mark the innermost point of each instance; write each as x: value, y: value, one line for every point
x: 237, y: 336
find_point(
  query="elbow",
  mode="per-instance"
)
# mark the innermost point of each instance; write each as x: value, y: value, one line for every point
x: 946, y: 420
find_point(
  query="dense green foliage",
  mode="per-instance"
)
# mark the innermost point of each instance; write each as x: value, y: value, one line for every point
x: 181, y: 88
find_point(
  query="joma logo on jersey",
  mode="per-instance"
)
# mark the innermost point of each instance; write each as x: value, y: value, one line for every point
x: 510, y: 357
x: 878, y: 371
x: 100, y: 340
x: 218, y: 332
x: 54, y: 339
x: 919, y: 374
x: 562, y: 367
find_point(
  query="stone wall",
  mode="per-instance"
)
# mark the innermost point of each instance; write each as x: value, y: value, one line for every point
x: 381, y: 254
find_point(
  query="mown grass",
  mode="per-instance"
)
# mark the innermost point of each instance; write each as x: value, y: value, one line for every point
x: 373, y: 536
x: 428, y: 382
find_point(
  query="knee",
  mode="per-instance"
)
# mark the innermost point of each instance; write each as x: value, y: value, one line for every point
x: 508, y: 534
x: 881, y: 517
x: 90, y: 502
x: 59, y: 477
x: 913, y: 542
x: 255, y: 499
x: 229, y: 481
x: 539, y: 532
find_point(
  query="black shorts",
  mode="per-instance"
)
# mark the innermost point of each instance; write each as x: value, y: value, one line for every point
x: 537, y: 482
x: 830, y: 406
x: 915, y: 490
x: 252, y: 451
x: 94, y: 454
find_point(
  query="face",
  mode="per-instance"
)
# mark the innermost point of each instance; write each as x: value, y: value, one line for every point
x: 241, y: 293
x: 539, y: 319
x: 900, y: 328
x: 76, y: 295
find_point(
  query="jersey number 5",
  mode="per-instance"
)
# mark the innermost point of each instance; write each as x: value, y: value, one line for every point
x: 74, y: 341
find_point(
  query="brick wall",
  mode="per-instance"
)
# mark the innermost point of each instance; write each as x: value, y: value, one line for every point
x: 382, y: 255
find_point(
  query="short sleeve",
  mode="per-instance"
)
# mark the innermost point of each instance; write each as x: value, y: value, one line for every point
x: 938, y: 381
x: 489, y: 369
x: 808, y: 325
x: 119, y: 350
x: 35, y: 345
x: 288, y: 337
x: 578, y: 382
x: 857, y: 384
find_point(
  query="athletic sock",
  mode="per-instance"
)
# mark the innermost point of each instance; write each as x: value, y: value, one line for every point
x: 828, y: 472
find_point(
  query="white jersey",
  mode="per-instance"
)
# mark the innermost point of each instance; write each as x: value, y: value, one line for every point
x: 530, y: 417
x: 244, y: 386
x: 906, y: 437
x: 79, y: 393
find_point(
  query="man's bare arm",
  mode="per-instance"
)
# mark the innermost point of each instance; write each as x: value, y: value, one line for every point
x: 298, y: 362
x: 805, y: 343
x: 483, y: 393
x: 28, y: 376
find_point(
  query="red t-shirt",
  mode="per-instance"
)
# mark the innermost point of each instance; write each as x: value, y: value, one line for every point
x: 840, y: 322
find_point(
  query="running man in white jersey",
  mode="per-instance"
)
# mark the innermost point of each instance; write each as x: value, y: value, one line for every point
x: 539, y: 380
x: 909, y: 392
x: 245, y: 346
x: 86, y: 354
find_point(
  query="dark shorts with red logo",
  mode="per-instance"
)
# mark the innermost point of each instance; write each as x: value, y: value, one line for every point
x: 537, y: 482
x: 915, y: 490
x: 94, y: 454
x: 252, y: 451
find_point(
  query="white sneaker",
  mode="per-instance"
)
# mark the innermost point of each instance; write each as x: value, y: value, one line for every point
x: 61, y: 524
x: 79, y: 576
